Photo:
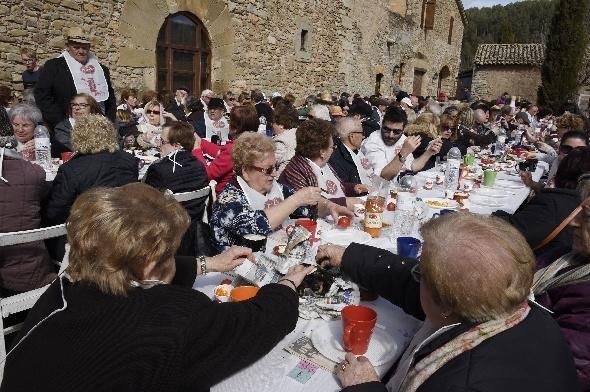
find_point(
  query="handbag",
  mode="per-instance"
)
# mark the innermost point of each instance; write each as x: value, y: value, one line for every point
x: 562, y: 225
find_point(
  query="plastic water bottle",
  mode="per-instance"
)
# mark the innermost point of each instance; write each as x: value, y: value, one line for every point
x: 42, y: 147
x: 453, y: 168
x: 501, y: 141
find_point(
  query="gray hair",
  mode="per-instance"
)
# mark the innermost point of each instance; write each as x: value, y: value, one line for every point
x: 479, y: 115
x: 347, y: 125
x: 320, y: 111
x: 29, y: 96
x: 27, y: 111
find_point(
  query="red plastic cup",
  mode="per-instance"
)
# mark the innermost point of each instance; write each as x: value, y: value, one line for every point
x: 357, y: 328
x: 65, y: 156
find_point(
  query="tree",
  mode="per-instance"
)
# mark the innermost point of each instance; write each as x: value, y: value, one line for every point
x: 564, y: 53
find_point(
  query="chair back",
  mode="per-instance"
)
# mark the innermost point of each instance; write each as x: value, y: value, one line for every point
x: 198, y: 194
x: 24, y: 301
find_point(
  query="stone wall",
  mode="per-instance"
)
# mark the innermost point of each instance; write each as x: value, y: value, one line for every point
x: 490, y: 82
x: 253, y: 43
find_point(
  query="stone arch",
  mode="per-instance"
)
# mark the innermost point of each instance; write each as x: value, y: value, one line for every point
x: 445, y: 81
x: 140, y: 23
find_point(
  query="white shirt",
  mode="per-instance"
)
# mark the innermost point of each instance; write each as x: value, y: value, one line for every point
x: 380, y: 155
x: 363, y: 167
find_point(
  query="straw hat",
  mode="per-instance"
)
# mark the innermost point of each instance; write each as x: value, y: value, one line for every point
x: 336, y: 111
x: 325, y: 98
x: 76, y: 34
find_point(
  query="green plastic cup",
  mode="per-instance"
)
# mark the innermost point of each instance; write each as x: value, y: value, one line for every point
x: 489, y: 177
x: 468, y: 160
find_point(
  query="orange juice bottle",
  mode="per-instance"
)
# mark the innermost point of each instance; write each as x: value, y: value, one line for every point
x: 374, y: 215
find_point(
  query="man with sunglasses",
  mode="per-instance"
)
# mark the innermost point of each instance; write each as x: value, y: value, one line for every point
x: 390, y: 151
x: 569, y: 141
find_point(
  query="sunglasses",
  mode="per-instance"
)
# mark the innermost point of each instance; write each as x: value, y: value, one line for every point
x: 268, y: 171
x: 386, y: 130
x: 152, y: 112
x: 565, y: 149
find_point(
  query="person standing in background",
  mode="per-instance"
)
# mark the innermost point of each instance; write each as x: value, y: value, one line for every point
x: 32, y: 71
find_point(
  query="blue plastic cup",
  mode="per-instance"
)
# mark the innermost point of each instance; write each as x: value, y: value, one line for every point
x: 408, y: 246
x: 443, y: 212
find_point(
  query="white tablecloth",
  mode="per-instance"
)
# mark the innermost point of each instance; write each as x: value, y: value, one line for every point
x: 270, y: 373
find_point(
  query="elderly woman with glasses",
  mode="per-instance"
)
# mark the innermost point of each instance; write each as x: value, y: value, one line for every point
x: 24, y: 117
x: 471, y: 287
x: 310, y: 167
x: 119, y: 322
x: 80, y: 105
x: 98, y: 161
x: 253, y: 202
x: 154, y: 116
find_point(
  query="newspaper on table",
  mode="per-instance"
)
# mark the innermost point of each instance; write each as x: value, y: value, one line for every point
x: 270, y: 267
x: 303, y: 349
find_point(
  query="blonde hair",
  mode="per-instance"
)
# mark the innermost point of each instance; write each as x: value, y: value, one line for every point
x: 427, y: 118
x: 94, y: 133
x: 249, y: 148
x: 479, y: 268
x: 112, y: 239
x: 466, y: 117
x: 426, y: 128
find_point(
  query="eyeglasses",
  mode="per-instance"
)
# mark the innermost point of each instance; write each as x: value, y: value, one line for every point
x: 416, y: 272
x: 79, y: 105
x: 152, y: 112
x: 231, y: 99
x: 360, y: 132
x: 395, y: 131
x: 268, y: 171
x: 26, y: 61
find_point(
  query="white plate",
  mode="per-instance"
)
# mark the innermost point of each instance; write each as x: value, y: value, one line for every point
x: 450, y: 203
x: 344, y: 237
x: 327, y: 339
x: 508, y: 184
x: 490, y: 192
x: 485, y: 201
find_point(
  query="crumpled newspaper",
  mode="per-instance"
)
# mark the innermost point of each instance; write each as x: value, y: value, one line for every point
x: 328, y: 306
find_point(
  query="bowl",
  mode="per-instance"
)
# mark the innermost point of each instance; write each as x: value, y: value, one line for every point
x: 222, y: 292
x: 243, y: 293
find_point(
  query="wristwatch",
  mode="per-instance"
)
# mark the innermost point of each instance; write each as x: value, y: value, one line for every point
x: 401, y: 159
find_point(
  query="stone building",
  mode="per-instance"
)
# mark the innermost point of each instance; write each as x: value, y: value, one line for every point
x: 300, y: 46
x: 512, y: 68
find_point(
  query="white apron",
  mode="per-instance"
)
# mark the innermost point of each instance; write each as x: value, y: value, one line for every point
x: 363, y: 166
x: 257, y: 200
x: 88, y: 78
x: 219, y: 128
x: 327, y: 181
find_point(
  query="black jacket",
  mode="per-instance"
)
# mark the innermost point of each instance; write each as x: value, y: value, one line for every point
x: 444, y: 150
x: 55, y: 89
x: 165, y: 338
x: 264, y: 110
x: 544, y: 212
x: 369, y: 126
x: 83, y: 172
x: 342, y: 163
x: 529, y: 357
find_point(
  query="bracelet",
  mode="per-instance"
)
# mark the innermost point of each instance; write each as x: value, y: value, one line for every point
x: 290, y: 281
x: 203, y: 264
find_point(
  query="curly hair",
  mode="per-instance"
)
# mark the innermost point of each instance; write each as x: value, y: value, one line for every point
x: 94, y: 133
x: 313, y: 136
x: 249, y: 148
x: 112, y: 239
x: 570, y: 121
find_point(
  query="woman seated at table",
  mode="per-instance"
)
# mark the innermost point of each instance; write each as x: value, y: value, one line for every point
x: 253, y: 202
x: 284, y: 128
x: 80, y: 105
x: 117, y: 324
x: 466, y: 129
x: 154, y: 116
x: 550, y: 206
x: 310, y: 167
x: 179, y: 171
x: 562, y: 285
x: 221, y: 168
x: 24, y: 117
x: 471, y: 287
x: 97, y: 162
x: 27, y: 266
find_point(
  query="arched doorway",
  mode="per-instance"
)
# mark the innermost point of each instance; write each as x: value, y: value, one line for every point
x: 183, y: 54
x: 445, y: 83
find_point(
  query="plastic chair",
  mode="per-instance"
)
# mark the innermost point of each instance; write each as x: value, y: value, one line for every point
x: 198, y: 194
x: 24, y: 301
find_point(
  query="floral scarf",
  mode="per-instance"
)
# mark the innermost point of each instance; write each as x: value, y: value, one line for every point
x: 468, y: 340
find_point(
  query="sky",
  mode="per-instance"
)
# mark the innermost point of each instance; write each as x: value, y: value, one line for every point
x: 486, y: 3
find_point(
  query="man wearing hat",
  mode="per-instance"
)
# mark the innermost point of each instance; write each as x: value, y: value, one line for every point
x: 75, y: 71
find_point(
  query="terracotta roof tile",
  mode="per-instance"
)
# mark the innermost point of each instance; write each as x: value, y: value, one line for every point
x: 509, y: 54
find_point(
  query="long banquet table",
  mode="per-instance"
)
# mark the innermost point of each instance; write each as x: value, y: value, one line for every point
x: 282, y: 371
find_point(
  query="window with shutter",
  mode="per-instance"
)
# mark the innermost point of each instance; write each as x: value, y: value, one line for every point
x: 428, y: 7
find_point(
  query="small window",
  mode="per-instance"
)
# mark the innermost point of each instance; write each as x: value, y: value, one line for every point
x: 451, y: 22
x: 303, y: 47
x: 428, y: 9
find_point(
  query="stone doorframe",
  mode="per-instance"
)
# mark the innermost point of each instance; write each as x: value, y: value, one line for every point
x: 141, y: 21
